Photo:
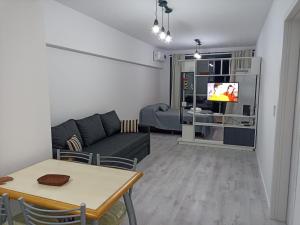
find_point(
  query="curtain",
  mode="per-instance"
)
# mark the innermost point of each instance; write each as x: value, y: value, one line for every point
x: 176, y: 76
x: 238, y: 66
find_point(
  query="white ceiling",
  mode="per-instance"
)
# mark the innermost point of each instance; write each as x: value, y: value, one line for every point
x: 217, y: 23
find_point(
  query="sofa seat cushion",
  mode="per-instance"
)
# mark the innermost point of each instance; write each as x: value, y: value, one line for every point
x: 91, y: 129
x: 63, y: 132
x: 111, y: 123
x: 120, y: 144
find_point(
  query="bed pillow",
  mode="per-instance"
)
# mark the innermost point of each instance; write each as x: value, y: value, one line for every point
x: 163, y: 107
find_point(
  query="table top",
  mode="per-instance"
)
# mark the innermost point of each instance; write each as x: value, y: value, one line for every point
x: 98, y: 187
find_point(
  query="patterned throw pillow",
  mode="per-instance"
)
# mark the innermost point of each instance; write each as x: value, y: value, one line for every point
x: 129, y: 126
x: 74, y: 144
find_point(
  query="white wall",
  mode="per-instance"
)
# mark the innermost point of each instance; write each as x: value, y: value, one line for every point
x: 81, y: 85
x: 69, y: 28
x: 101, y: 69
x: 24, y: 99
x: 269, y: 47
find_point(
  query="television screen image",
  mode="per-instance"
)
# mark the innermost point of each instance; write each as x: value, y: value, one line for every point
x: 223, y: 92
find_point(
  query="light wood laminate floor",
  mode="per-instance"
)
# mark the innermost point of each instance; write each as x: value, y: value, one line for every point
x: 193, y: 185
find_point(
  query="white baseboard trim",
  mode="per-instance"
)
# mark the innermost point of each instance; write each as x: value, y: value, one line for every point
x: 263, y: 181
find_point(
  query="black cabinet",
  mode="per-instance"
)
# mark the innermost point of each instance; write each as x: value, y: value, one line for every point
x: 239, y: 136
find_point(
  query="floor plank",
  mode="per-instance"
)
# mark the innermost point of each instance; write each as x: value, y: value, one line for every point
x: 195, y: 185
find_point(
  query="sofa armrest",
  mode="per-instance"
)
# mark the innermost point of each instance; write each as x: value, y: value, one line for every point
x: 144, y: 129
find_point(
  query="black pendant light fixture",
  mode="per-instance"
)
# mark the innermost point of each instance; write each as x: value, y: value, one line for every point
x: 168, y: 38
x: 197, y: 55
x: 155, y: 27
x: 161, y: 32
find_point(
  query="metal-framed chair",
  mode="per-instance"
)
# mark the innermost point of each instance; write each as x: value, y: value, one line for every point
x: 120, y: 163
x: 5, y: 211
x: 81, y: 157
x: 116, y: 162
x: 33, y: 215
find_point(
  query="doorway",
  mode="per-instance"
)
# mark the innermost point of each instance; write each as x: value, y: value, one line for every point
x: 285, y: 196
x: 294, y: 188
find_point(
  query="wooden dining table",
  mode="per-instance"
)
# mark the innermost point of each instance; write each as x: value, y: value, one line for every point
x: 96, y: 186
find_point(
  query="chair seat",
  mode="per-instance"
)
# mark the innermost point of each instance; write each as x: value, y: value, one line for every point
x: 113, y: 216
x: 118, y: 210
x: 19, y: 220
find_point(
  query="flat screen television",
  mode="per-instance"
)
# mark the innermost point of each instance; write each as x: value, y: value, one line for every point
x: 223, y: 92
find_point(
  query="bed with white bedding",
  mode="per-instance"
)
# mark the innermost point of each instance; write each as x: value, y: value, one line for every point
x: 161, y: 116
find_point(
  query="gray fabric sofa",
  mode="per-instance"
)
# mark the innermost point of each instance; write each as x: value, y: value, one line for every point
x: 102, y: 134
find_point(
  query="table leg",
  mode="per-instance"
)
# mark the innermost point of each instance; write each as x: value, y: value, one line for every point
x: 130, y: 209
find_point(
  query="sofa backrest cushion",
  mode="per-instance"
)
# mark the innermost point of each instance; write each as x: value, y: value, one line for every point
x: 111, y: 123
x: 63, y: 132
x: 91, y: 129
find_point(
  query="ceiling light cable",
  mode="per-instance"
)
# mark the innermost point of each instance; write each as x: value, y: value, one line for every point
x: 162, y: 34
x: 155, y: 27
x: 168, y: 37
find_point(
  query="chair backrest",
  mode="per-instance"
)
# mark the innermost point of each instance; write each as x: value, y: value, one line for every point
x: 34, y: 215
x: 81, y: 157
x: 116, y: 162
x: 5, y: 211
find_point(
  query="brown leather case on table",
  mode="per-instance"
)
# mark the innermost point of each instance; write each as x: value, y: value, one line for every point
x: 3, y: 180
x: 53, y: 179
